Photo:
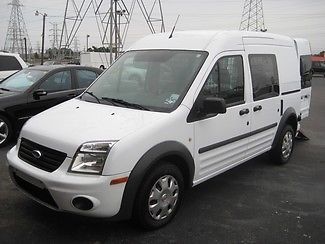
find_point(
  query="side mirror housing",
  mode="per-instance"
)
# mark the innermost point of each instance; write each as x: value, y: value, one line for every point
x: 39, y: 93
x: 213, y: 106
x: 206, y: 108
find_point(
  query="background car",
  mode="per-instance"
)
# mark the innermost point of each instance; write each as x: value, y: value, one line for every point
x: 319, y: 67
x: 35, y: 89
x: 10, y: 63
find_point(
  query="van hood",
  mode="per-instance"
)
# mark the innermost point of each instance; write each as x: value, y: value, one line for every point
x: 70, y: 124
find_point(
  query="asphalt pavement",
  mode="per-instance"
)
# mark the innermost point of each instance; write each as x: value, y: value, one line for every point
x: 257, y: 202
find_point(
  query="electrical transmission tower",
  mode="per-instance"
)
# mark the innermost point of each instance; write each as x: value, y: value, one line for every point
x: 113, y: 18
x: 76, y: 44
x: 54, y: 36
x: 17, y: 30
x: 253, y: 16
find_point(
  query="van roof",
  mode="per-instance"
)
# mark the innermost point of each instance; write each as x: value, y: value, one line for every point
x: 303, y: 46
x: 202, y: 39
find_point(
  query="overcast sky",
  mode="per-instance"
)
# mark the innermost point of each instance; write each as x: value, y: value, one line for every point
x: 295, y: 18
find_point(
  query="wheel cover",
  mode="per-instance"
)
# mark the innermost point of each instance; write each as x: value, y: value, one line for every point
x: 4, y: 131
x: 163, y: 197
x: 287, y: 144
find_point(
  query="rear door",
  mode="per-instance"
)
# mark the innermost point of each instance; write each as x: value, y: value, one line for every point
x: 84, y: 77
x: 306, y: 76
x: 266, y: 102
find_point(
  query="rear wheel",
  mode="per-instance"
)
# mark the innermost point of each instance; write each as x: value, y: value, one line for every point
x: 159, y: 196
x: 282, y: 152
x: 5, y: 131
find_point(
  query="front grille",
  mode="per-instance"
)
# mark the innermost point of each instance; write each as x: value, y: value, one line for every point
x: 42, y: 195
x: 50, y: 159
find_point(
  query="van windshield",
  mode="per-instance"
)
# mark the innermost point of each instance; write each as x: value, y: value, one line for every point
x: 154, y: 80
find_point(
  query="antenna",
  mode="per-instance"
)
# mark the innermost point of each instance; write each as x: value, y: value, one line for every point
x: 171, y: 34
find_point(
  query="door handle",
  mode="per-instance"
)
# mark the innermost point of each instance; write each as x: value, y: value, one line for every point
x: 243, y: 111
x: 257, y: 108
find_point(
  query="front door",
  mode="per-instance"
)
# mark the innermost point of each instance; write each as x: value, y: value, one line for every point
x: 221, y: 141
x: 59, y: 88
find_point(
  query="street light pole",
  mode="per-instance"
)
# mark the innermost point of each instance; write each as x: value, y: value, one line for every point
x: 87, y: 42
x: 25, y: 41
x: 43, y: 34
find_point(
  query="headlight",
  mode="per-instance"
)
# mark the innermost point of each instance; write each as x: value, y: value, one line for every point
x: 91, y: 157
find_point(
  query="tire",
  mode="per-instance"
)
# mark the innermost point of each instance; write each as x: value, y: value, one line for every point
x: 282, y: 152
x: 167, y: 181
x: 5, y: 131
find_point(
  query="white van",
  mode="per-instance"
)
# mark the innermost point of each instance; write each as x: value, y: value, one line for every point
x: 10, y: 63
x: 95, y: 59
x: 210, y: 100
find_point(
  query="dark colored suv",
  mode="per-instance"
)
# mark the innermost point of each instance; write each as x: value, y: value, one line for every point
x: 319, y: 67
x: 35, y: 89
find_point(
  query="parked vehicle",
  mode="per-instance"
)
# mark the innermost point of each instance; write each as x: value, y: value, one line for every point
x: 318, y: 65
x: 95, y: 59
x: 52, y: 62
x: 35, y: 89
x: 10, y: 63
x: 210, y: 101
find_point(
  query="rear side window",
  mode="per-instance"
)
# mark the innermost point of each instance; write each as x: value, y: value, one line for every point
x: 305, y: 71
x: 60, y: 81
x: 85, y: 77
x: 9, y: 63
x: 226, y: 80
x: 265, y: 76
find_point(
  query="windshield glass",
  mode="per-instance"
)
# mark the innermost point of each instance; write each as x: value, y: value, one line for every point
x: 154, y: 80
x: 22, y: 80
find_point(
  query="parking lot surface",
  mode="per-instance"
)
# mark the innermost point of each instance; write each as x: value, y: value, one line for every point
x: 257, y: 202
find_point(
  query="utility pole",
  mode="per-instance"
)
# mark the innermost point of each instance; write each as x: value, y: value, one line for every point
x: 253, y: 16
x: 17, y: 30
x: 43, y: 34
x: 25, y: 41
x: 87, y: 42
x: 111, y: 34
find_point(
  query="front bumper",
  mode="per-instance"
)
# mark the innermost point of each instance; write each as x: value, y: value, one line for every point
x: 57, y: 190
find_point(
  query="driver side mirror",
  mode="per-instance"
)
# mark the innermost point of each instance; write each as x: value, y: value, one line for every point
x: 39, y: 93
x: 213, y: 106
x: 206, y: 108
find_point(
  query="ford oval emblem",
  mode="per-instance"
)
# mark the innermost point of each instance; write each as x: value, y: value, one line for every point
x: 37, y: 154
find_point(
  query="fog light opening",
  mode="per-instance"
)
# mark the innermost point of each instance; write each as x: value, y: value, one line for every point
x: 82, y: 203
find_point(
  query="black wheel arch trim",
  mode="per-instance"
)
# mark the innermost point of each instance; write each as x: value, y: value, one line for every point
x: 289, y: 113
x: 146, y: 162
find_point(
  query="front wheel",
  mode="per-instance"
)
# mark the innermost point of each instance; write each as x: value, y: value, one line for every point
x: 5, y: 131
x: 159, y: 196
x: 282, y: 152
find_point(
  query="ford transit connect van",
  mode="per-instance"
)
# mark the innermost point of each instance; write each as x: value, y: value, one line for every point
x: 208, y: 101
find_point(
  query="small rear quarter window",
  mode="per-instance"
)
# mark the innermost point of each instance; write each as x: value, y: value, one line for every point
x: 9, y: 63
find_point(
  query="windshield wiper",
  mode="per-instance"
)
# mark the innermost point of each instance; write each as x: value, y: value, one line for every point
x: 116, y: 101
x: 4, y: 89
x: 93, y: 95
